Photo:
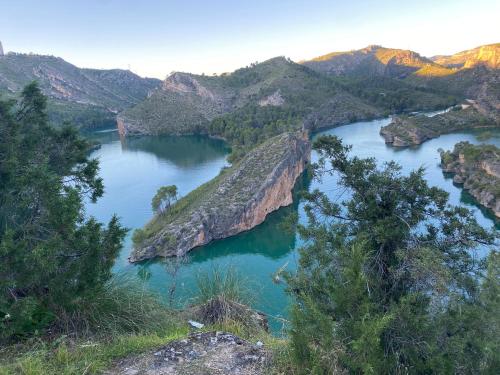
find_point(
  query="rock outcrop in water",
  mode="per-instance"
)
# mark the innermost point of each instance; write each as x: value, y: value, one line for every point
x: 237, y: 200
x: 406, y: 131
x: 478, y: 169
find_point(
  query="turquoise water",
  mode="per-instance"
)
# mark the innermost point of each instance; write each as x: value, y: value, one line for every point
x: 135, y: 168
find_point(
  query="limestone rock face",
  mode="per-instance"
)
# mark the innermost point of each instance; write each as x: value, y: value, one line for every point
x: 273, y: 100
x: 237, y: 200
x: 488, y: 55
x: 210, y: 353
x: 478, y: 169
x: 1, y: 49
x: 373, y: 60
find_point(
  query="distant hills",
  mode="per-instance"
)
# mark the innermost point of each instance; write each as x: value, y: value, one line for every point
x: 488, y: 55
x: 277, y: 93
x: 262, y: 99
x: 375, y: 61
x: 86, y: 97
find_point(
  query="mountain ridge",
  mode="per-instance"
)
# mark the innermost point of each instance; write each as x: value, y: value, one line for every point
x: 74, y: 93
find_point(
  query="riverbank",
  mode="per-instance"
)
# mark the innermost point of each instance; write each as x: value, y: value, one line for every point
x: 404, y: 131
x: 477, y: 168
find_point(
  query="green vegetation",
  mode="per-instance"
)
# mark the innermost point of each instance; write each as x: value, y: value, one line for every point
x: 53, y: 259
x: 88, y: 98
x: 413, y: 130
x: 218, y: 283
x: 396, y: 96
x: 164, y: 198
x: 181, y: 207
x: 68, y: 357
x: 93, y: 354
x: 246, y: 106
x: 477, y: 167
x: 388, y: 281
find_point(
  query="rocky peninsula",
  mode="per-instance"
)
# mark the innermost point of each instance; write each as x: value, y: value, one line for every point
x: 477, y: 167
x: 235, y: 201
x: 406, y: 131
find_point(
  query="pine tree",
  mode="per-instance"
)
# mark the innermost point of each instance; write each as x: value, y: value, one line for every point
x: 51, y: 256
x: 382, y: 273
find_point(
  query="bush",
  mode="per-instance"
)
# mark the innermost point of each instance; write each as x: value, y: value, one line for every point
x: 52, y: 257
x: 388, y: 280
x: 121, y: 306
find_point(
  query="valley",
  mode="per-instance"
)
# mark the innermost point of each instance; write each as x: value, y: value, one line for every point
x: 285, y: 214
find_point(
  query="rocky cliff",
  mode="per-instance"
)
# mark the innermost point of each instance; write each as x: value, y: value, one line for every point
x: 276, y: 94
x: 237, y: 200
x: 406, y: 131
x: 487, y: 55
x: 85, y: 97
x: 478, y: 169
x: 373, y: 60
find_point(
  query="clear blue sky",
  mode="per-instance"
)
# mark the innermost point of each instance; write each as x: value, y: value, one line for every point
x: 153, y: 37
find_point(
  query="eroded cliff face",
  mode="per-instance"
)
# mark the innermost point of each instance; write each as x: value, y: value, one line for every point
x: 477, y: 168
x: 235, y: 201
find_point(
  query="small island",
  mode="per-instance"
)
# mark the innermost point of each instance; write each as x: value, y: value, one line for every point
x: 477, y: 167
x: 238, y: 199
x: 406, y: 131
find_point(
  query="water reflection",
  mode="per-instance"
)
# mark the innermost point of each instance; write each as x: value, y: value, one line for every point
x: 134, y: 170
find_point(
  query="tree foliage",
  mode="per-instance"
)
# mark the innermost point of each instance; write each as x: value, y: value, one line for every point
x: 51, y: 256
x: 389, y: 280
x: 164, y: 198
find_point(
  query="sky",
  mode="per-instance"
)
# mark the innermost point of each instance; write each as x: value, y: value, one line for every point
x: 153, y: 37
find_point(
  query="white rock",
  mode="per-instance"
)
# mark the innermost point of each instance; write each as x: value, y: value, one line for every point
x: 196, y: 324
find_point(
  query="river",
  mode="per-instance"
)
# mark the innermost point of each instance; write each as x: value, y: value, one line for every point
x: 135, y: 168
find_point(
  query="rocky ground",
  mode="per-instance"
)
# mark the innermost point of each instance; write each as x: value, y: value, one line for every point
x: 237, y: 200
x: 199, y: 354
x: 478, y: 169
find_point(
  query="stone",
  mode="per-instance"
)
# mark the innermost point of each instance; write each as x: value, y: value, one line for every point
x: 206, y: 353
x: 194, y: 324
x: 404, y: 131
x: 237, y: 200
x: 479, y: 173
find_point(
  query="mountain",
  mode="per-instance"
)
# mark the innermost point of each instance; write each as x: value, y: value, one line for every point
x: 375, y: 61
x: 487, y: 55
x: 86, y: 97
x: 250, y: 103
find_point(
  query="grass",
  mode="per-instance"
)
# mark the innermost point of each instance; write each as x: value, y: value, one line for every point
x: 67, y: 357
x: 122, y: 306
x: 228, y: 284
x: 121, y: 319
x: 126, y: 320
